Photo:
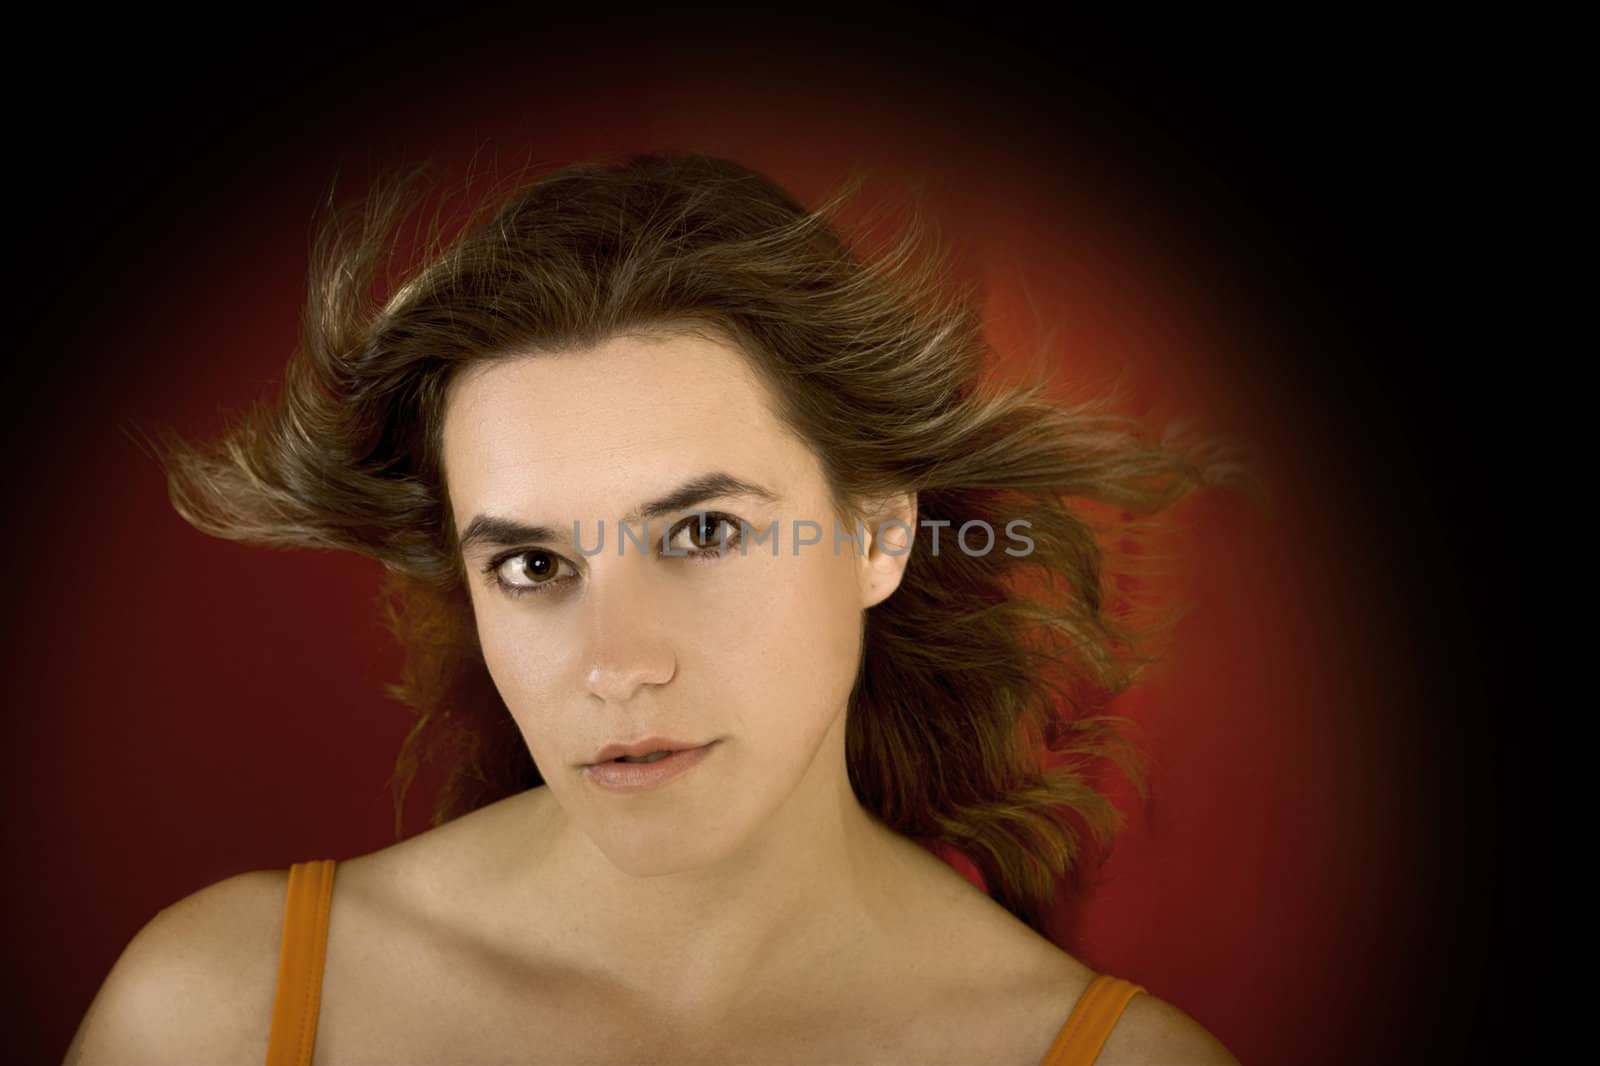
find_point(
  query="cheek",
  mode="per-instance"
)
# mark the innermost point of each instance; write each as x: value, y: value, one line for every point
x: 791, y: 642
x: 525, y: 667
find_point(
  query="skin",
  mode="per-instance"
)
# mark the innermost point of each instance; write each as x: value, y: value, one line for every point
x: 748, y: 911
x: 762, y: 850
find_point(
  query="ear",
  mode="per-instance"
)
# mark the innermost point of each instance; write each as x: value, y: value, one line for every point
x: 890, y: 534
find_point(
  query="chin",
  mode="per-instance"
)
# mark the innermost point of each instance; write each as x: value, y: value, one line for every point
x: 649, y: 840
x: 640, y: 853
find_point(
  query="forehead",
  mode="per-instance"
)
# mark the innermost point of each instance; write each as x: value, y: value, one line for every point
x: 603, y: 428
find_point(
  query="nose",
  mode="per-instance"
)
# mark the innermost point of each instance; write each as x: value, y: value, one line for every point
x: 627, y: 642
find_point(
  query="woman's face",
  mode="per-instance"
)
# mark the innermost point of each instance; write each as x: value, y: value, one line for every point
x: 753, y: 653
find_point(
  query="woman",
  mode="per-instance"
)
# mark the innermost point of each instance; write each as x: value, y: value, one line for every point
x: 728, y: 586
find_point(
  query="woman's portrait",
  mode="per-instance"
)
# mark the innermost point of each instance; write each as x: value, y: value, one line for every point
x: 635, y: 565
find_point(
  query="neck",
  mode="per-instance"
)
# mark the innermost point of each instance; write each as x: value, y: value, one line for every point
x: 822, y: 882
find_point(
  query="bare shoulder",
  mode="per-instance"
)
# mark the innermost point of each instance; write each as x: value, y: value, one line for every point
x: 1151, y: 1031
x: 196, y: 983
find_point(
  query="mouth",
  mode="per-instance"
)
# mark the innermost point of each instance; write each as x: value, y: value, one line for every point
x: 648, y: 750
x: 644, y: 772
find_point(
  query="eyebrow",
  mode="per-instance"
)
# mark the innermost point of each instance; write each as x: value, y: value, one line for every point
x: 487, y: 530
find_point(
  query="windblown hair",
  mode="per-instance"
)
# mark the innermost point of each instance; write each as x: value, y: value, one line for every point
x: 976, y: 721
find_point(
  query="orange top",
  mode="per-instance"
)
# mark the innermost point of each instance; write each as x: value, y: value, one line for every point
x: 305, y: 943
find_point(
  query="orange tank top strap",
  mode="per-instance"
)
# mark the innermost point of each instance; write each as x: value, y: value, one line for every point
x: 1092, y: 1019
x: 300, y: 962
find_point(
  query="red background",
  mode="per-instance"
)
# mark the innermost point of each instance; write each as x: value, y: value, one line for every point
x: 187, y: 708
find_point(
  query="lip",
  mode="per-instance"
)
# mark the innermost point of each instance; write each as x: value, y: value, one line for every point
x: 638, y: 777
x: 647, y: 746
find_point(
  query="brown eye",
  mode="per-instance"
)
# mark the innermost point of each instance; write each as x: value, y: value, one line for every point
x: 528, y: 569
x: 539, y: 564
x: 705, y: 533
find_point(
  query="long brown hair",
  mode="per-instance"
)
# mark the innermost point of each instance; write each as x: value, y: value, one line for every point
x: 976, y: 719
